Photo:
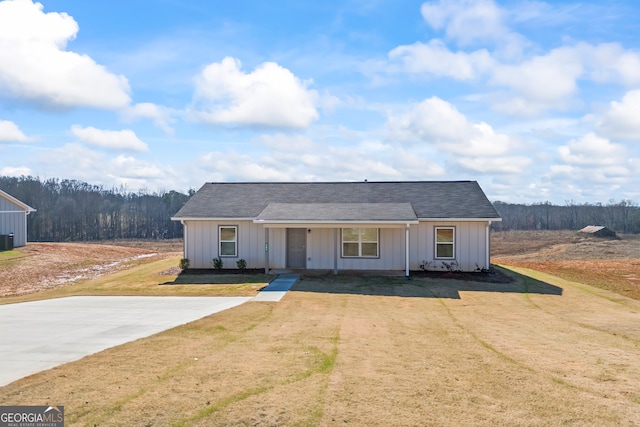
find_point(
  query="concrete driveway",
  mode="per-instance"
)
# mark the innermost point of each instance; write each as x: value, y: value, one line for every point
x: 40, y: 335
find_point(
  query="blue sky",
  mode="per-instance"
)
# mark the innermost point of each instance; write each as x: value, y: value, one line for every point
x: 537, y: 101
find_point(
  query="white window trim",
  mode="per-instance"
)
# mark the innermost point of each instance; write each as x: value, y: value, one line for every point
x: 220, y: 241
x: 436, y: 243
x: 359, y: 242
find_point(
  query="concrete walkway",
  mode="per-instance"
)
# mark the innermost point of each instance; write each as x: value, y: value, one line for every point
x: 277, y: 289
x: 43, y: 334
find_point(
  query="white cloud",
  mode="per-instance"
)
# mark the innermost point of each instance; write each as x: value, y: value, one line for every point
x: 473, y: 146
x: 232, y: 166
x: 436, y: 59
x: 593, y: 151
x: 34, y: 65
x: 465, y: 20
x: 438, y: 122
x: 505, y: 165
x: 288, y: 143
x: 433, y: 120
x: 15, y: 171
x: 622, y: 120
x: 110, y: 139
x: 75, y: 161
x: 10, y: 132
x: 296, y: 158
x: 161, y: 116
x: 531, y: 81
x: 468, y: 22
x: 129, y: 168
x: 269, y: 96
x: 544, y: 79
x: 610, y: 62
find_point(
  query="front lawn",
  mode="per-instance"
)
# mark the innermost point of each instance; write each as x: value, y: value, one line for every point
x: 369, y: 351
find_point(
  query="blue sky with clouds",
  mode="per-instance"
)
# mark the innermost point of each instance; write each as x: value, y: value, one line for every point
x: 535, y: 100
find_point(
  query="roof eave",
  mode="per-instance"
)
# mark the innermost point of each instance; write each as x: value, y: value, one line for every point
x: 28, y: 209
x: 196, y: 218
x: 336, y: 221
x: 461, y: 219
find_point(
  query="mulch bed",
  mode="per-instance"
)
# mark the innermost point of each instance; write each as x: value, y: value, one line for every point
x: 203, y: 271
x: 493, y: 275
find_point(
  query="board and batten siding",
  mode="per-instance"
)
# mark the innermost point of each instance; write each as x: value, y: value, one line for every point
x: 321, y: 249
x: 13, y: 219
x: 470, y: 245
x: 201, y: 243
x: 201, y: 246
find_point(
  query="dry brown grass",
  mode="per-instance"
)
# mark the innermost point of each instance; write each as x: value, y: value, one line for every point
x: 42, y: 266
x: 365, y: 351
x: 149, y: 276
x: 369, y: 351
x: 605, y: 263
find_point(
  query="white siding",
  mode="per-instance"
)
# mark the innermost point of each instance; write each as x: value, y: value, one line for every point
x: 201, y: 239
x: 277, y: 248
x: 13, y: 219
x: 470, y: 245
x: 320, y: 251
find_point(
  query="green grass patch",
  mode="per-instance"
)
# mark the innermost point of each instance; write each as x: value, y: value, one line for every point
x: 8, y: 258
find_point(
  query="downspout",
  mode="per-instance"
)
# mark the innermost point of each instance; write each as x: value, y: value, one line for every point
x: 406, y: 252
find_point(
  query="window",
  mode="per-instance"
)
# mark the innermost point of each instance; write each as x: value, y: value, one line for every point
x: 445, y: 242
x: 228, y: 236
x: 360, y: 242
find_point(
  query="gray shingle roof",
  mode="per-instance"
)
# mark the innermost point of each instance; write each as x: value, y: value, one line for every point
x: 338, y: 212
x: 429, y: 199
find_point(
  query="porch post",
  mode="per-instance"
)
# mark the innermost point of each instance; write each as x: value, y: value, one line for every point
x: 487, y: 262
x: 335, y: 251
x: 266, y: 250
x: 184, y: 240
x: 406, y: 252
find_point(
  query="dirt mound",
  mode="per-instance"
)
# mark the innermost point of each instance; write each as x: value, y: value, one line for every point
x: 609, y: 264
x: 40, y: 266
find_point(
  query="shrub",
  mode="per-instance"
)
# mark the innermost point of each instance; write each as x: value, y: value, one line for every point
x: 242, y: 265
x: 184, y: 263
x: 217, y: 263
x: 426, y: 265
x: 452, y: 267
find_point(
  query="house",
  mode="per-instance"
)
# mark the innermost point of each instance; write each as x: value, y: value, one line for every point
x: 13, y: 218
x: 339, y: 225
x: 598, y: 231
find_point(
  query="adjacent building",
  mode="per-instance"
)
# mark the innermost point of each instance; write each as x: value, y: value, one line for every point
x: 13, y: 218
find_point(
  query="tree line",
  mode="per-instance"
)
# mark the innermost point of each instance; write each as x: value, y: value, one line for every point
x: 622, y: 216
x: 71, y: 210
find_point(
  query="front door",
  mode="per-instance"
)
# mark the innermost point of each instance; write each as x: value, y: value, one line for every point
x: 296, y: 247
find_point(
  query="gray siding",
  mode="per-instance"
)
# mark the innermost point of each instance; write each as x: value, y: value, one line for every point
x: 470, y: 245
x: 321, y: 249
x: 13, y: 222
x: 201, y: 246
x: 201, y: 243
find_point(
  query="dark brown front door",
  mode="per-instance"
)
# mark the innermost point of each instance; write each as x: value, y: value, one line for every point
x: 296, y: 247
